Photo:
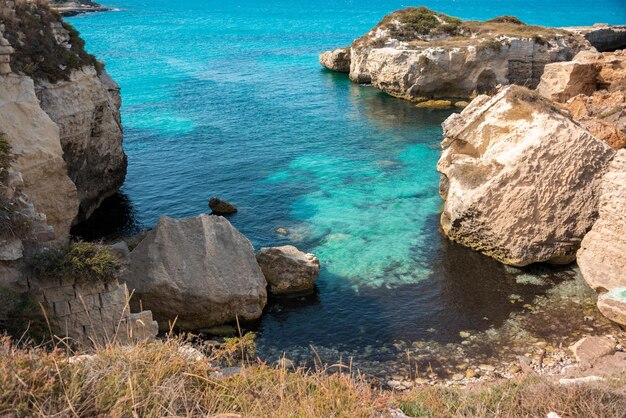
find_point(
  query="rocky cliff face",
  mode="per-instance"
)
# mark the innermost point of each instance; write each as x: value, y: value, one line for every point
x: 416, y: 54
x: 77, y: 94
x: 86, y: 109
x: 520, y: 178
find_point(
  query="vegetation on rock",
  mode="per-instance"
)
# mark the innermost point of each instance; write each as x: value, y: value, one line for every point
x: 420, y: 24
x: 80, y: 260
x: 37, y: 52
x: 175, y: 379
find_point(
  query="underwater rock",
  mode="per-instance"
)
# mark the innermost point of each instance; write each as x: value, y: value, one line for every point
x: 523, y: 178
x: 287, y: 269
x: 198, y: 271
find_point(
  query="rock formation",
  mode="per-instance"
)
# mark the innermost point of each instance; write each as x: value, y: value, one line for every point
x: 77, y: 94
x: 288, y: 270
x: 35, y: 143
x: 87, y: 113
x: 602, y: 256
x: 592, y: 88
x: 520, y: 178
x: 418, y: 54
x: 336, y: 60
x: 603, y: 37
x: 221, y: 207
x: 198, y: 272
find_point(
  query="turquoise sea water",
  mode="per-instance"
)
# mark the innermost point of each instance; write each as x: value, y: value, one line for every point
x: 227, y: 98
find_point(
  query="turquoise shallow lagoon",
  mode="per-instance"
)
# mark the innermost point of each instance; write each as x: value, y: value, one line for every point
x: 227, y: 98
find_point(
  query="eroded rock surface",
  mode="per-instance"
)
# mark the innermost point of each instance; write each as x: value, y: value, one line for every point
x: 520, y: 178
x: 198, y: 272
x: 86, y: 109
x: 602, y: 256
x: 35, y: 142
x: 336, y: 60
x: 416, y: 53
x: 287, y: 269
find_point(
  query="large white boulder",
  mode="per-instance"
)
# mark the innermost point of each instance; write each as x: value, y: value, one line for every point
x: 520, y: 178
x: 198, y: 271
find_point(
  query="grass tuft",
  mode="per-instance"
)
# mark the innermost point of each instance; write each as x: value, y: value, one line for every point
x: 80, y: 260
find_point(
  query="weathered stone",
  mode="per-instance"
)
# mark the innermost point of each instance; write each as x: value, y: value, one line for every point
x: 86, y: 109
x: 11, y: 250
x: 198, y: 272
x: 589, y: 349
x: 221, y: 207
x: 142, y: 326
x: 602, y: 256
x: 523, y: 178
x: 605, y: 131
x: 613, y: 305
x: 563, y: 80
x: 603, y: 37
x: 35, y: 142
x: 287, y: 269
x: 404, y: 63
x: 336, y: 60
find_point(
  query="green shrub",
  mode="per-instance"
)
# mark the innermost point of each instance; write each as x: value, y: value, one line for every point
x: 489, y: 44
x: 5, y: 158
x: 81, y: 260
x: 37, y: 54
x: 506, y: 19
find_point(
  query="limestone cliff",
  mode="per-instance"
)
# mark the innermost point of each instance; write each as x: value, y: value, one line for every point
x: 416, y: 53
x: 77, y: 94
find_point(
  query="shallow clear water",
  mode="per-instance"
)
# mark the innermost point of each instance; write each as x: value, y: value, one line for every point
x: 228, y: 99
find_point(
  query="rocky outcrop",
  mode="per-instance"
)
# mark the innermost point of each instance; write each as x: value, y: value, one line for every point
x: 77, y: 94
x: 76, y: 7
x: 520, y: 178
x: 198, y: 272
x: 336, y: 60
x: 288, y: 270
x: 613, y: 305
x: 564, y: 80
x: 221, y: 207
x: 35, y: 142
x: 86, y: 109
x: 602, y: 256
x: 417, y: 54
x: 603, y: 37
x: 592, y: 88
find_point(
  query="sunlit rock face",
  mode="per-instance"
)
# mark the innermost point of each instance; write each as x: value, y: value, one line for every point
x: 521, y: 179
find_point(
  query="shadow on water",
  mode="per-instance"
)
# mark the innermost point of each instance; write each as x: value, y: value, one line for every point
x: 114, y: 218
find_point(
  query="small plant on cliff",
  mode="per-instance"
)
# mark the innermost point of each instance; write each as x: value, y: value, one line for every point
x: 506, y: 19
x: 80, y: 260
x: 5, y: 158
x: 37, y: 52
x: 489, y: 44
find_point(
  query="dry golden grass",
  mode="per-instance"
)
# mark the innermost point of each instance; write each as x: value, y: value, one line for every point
x: 162, y: 379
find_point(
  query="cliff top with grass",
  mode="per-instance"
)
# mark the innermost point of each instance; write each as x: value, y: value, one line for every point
x: 35, y: 32
x: 420, y: 26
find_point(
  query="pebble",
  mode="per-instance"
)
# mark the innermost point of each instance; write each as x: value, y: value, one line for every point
x: 486, y: 368
x: 464, y: 334
x: 457, y: 376
x: 469, y: 374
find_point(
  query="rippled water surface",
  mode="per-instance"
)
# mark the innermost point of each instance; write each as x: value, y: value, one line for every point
x: 227, y: 98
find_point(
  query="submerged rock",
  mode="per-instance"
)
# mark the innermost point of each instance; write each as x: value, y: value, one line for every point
x: 198, y: 271
x: 522, y: 178
x: 287, y: 269
x: 416, y: 52
x: 336, y: 60
x: 221, y: 207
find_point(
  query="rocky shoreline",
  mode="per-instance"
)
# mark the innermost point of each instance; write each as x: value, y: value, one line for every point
x: 528, y: 176
x: 77, y: 7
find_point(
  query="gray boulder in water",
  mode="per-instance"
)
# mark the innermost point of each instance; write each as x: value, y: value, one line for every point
x: 200, y: 271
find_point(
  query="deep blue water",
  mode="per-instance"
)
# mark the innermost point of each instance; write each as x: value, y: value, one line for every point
x: 227, y: 98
